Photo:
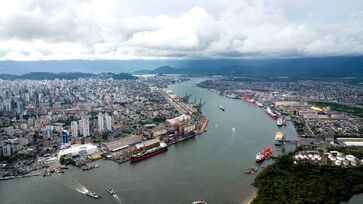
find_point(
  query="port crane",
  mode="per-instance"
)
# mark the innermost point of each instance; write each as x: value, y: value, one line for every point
x: 200, y: 105
x: 186, y: 98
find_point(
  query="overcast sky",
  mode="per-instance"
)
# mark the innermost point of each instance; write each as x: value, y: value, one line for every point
x: 158, y: 29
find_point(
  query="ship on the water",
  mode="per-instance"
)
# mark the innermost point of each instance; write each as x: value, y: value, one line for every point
x: 199, y: 202
x: 162, y: 147
x: 259, y: 104
x: 279, y: 121
x: 111, y: 190
x: 221, y: 107
x: 271, y: 113
x: 279, y: 138
x: 261, y: 156
x: 93, y: 195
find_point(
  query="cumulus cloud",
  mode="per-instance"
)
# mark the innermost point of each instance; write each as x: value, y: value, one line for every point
x: 111, y: 29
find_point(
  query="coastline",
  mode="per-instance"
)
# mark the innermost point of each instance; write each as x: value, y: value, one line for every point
x: 250, y: 198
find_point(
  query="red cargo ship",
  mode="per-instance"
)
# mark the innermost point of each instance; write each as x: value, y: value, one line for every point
x: 264, y: 154
x: 149, y: 153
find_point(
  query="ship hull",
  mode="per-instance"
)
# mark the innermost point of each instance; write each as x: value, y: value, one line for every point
x: 136, y: 159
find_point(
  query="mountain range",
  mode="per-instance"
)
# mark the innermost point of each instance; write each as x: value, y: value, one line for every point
x: 314, y: 67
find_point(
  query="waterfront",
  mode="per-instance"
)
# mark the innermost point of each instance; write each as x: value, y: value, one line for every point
x: 209, y: 167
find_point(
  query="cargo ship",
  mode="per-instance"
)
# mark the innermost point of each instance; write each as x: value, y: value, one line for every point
x: 271, y: 113
x: 261, y: 156
x: 202, y: 125
x: 163, y: 147
x: 93, y: 195
x: 279, y: 138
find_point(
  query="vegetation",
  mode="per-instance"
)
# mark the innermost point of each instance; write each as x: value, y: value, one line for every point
x: 159, y: 119
x: 66, y: 162
x: 47, y: 76
x: 285, y: 182
x: 124, y: 76
x: 339, y: 107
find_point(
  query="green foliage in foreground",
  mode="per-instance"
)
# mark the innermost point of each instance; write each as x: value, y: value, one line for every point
x: 284, y: 182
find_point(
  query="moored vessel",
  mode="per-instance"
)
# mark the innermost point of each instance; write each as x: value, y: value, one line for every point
x: 279, y: 121
x: 149, y: 152
x: 261, y: 156
x: 259, y: 104
x: 279, y: 138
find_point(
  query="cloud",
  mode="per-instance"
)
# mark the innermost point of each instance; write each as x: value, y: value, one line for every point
x: 111, y: 29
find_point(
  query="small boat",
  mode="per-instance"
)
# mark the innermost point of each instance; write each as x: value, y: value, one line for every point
x: 279, y: 138
x: 111, y: 190
x: 259, y: 104
x: 199, y: 202
x: 93, y: 195
x: 221, y: 107
x: 251, y: 170
x: 279, y: 121
x: 261, y: 156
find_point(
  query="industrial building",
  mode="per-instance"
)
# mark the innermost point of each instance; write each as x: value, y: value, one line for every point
x: 77, y: 150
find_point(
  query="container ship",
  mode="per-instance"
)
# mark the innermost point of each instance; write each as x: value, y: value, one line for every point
x: 261, y: 156
x: 279, y: 138
x: 163, y: 147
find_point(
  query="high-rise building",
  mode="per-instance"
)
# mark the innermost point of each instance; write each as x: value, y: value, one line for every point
x: 74, y: 129
x: 101, y: 122
x: 49, y: 131
x: 84, y: 126
x: 108, y: 120
x: 65, y: 137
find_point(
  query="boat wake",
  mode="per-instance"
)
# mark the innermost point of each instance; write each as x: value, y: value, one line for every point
x: 77, y: 186
x: 117, y: 198
x: 233, y: 131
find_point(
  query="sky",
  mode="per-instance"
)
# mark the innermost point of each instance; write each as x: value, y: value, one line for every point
x: 179, y: 29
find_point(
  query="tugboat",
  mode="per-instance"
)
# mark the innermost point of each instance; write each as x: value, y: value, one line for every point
x: 221, y: 107
x: 279, y: 121
x: 93, y: 195
x: 261, y: 156
x: 279, y: 138
x: 111, y: 191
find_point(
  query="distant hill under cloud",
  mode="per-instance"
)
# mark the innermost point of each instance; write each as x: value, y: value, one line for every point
x: 291, y: 67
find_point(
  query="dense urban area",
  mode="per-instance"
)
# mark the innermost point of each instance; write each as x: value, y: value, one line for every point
x: 47, y: 124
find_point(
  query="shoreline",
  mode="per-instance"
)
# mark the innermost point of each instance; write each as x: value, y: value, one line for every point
x: 250, y: 198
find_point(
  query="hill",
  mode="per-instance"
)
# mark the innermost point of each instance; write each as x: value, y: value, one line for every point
x: 47, y: 76
x: 124, y: 76
x: 165, y: 70
x: 307, y: 67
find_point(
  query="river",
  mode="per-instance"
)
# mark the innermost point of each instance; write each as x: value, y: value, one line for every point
x: 208, y: 167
